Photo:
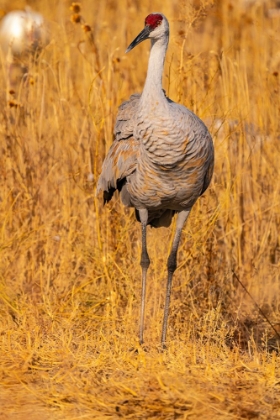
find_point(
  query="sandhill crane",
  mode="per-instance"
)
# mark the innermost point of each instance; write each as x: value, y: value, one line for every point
x: 161, y: 160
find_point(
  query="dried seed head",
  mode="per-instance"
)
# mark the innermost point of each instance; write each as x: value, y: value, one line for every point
x: 86, y: 28
x: 13, y: 104
x: 76, y: 18
x: 75, y: 7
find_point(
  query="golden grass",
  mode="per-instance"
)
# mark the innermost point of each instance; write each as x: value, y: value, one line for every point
x: 70, y: 274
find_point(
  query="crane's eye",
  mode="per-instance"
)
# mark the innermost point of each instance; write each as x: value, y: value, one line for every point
x: 159, y: 22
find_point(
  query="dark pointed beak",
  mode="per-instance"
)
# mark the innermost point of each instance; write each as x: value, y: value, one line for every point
x: 141, y: 37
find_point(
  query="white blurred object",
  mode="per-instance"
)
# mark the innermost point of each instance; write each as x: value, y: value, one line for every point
x: 23, y: 31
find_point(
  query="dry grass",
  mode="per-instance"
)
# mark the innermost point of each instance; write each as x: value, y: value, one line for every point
x: 70, y: 274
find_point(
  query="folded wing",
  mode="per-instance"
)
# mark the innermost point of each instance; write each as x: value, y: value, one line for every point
x: 121, y: 159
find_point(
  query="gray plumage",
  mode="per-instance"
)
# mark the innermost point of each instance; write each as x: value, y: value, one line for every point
x: 162, y: 157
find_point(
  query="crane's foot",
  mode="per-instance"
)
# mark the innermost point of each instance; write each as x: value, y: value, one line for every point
x: 162, y: 347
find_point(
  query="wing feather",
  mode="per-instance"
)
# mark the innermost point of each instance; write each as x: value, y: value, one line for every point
x: 125, y: 121
x: 121, y: 159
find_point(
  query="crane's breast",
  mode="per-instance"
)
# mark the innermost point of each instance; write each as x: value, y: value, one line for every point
x: 175, y: 159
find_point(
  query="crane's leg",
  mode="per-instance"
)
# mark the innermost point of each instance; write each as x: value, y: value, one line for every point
x: 171, y: 267
x: 145, y: 262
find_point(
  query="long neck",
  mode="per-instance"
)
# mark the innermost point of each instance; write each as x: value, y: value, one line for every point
x: 153, y: 85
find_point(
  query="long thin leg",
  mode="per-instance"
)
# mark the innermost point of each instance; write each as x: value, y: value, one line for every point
x: 145, y: 262
x: 171, y: 267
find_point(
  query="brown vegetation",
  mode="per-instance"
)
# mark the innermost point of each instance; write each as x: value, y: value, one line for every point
x: 69, y: 268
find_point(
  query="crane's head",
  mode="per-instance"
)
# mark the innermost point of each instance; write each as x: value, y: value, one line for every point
x: 156, y: 26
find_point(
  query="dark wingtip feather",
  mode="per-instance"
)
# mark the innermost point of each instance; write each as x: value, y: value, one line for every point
x: 107, y: 195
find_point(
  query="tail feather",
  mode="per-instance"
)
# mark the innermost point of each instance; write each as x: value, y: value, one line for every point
x: 107, y: 195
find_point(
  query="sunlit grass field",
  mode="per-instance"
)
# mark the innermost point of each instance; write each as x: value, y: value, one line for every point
x: 70, y: 277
